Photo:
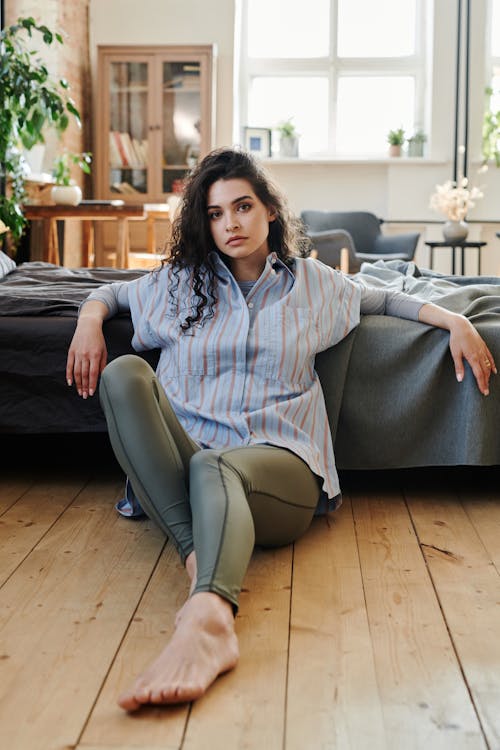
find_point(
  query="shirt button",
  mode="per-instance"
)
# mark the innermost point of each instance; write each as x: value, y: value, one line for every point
x: 250, y: 305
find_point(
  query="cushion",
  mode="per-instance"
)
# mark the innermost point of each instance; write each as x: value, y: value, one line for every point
x: 6, y: 264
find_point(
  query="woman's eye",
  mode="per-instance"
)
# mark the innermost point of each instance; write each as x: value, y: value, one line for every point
x: 244, y: 207
x: 214, y: 215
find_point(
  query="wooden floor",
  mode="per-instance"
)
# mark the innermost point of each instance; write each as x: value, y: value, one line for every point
x: 379, y: 629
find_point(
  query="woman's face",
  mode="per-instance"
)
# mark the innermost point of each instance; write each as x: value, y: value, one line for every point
x: 239, y: 224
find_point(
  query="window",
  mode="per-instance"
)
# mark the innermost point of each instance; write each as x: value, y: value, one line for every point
x: 491, y: 117
x: 495, y: 55
x: 345, y: 71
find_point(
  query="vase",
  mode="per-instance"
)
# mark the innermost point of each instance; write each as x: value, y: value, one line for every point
x: 394, y: 149
x: 289, y: 146
x: 455, y: 231
x: 66, y: 195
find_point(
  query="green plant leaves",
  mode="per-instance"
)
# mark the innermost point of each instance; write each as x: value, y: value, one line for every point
x: 30, y: 101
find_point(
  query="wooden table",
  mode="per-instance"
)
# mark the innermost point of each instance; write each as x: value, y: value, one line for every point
x: 154, y: 212
x: 453, y: 245
x: 87, y: 213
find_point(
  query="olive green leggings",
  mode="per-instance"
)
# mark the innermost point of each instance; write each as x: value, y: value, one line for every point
x: 216, y: 502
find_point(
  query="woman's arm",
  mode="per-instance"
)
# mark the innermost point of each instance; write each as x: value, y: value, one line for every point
x: 465, y: 341
x: 87, y: 355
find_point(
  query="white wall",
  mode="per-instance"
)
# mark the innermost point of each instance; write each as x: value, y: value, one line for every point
x: 396, y: 189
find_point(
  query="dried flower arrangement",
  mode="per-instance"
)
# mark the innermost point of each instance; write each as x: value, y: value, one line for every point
x: 455, y: 199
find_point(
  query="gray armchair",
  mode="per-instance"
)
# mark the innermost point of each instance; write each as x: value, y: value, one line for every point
x: 359, y: 232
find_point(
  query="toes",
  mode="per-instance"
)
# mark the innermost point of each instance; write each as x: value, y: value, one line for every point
x: 129, y: 702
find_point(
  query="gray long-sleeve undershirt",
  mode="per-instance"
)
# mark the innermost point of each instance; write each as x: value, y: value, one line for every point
x: 373, y: 301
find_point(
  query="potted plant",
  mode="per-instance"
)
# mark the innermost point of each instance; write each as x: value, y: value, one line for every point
x: 31, y: 100
x: 289, y: 138
x: 416, y: 143
x: 453, y: 199
x: 395, y: 138
x: 66, y: 191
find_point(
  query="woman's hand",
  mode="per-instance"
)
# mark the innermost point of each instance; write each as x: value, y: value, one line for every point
x: 87, y: 355
x: 465, y: 343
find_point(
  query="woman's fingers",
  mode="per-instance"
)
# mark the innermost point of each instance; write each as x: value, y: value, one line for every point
x: 70, y: 366
x: 482, y: 365
x: 87, y: 357
x: 491, y: 360
x: 84, y: 371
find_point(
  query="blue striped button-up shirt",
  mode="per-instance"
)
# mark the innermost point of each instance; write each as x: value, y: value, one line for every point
x: 246, y: 375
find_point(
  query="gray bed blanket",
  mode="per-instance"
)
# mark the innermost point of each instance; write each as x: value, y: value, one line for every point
x: 39, y: 288
x: 392, y: 396
x: 390, y: 388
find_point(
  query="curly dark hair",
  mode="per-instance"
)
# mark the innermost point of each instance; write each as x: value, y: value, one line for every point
x: 191, y: 241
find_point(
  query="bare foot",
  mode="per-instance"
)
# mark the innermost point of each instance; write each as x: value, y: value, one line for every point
x: 191, y: 569
x: 203, y: 646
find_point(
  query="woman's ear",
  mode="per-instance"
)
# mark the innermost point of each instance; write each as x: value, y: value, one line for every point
x: 272, y: 213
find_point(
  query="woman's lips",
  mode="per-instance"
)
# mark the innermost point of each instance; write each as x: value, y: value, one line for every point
x: 235, y: 241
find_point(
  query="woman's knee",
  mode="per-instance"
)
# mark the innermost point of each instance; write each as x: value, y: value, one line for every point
x: 124, y: 376
x: 281, y: 489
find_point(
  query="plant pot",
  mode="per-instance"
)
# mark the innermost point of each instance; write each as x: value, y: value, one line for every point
x: 415, y: 148
x: 66, y: 195
x: 394, y: 150
x: 289, y: 146
x: 455, y: 231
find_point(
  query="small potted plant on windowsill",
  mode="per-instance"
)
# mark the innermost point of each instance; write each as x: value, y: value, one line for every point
x: 66, y: 192
x: 416, y: 143
x: 289, y: 138
x: 395, y: 138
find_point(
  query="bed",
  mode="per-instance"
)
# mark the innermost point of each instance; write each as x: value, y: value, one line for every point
x: 390, y: 388
x: 39, y: 305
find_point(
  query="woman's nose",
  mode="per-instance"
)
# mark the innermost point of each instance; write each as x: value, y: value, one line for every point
x: 232, y: 224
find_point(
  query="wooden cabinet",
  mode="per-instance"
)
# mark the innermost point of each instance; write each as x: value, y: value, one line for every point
x: 155, y: 119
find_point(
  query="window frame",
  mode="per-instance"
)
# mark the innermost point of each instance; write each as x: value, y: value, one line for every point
x: 333, y: 67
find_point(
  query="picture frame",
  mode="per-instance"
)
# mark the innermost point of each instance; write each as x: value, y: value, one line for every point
x: 258, y: 141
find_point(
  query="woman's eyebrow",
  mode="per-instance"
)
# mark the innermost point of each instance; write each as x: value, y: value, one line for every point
x: 236, y: 200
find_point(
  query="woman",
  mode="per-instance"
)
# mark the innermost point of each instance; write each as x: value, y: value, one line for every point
x: 228, y: 445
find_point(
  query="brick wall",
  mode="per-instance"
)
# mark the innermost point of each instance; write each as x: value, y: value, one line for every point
x: 71, y: 61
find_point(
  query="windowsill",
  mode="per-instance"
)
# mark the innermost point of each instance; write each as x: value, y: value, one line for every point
x: 353, y: 160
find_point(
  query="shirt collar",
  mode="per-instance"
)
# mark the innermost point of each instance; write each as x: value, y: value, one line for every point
x: 272, y: 261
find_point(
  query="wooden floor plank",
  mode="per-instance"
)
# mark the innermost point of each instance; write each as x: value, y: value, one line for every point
x: 26, y: 521
x: 84, y: 746
x: 71, y: 637
x: 63, y: 614
x: 12, y: 489
x: 253, y: 695
x: 468, y: 587
x: 425, y: 700
x: 147, y: 635
x: 331, y: 680
x: 483, y: 509
x: 246, y: 707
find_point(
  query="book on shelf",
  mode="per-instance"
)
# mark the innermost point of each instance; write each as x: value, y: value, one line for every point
x: 125, y: 188
x: 126, y: 152
x: 183, y: 82
x: 115, y: 158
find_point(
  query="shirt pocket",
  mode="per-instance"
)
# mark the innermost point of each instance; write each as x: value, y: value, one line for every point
x: 287, y: 340
x: 194, y: 351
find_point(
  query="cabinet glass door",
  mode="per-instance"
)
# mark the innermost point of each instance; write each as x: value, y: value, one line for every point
x: 181, y: 118
x: 128, y: 146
